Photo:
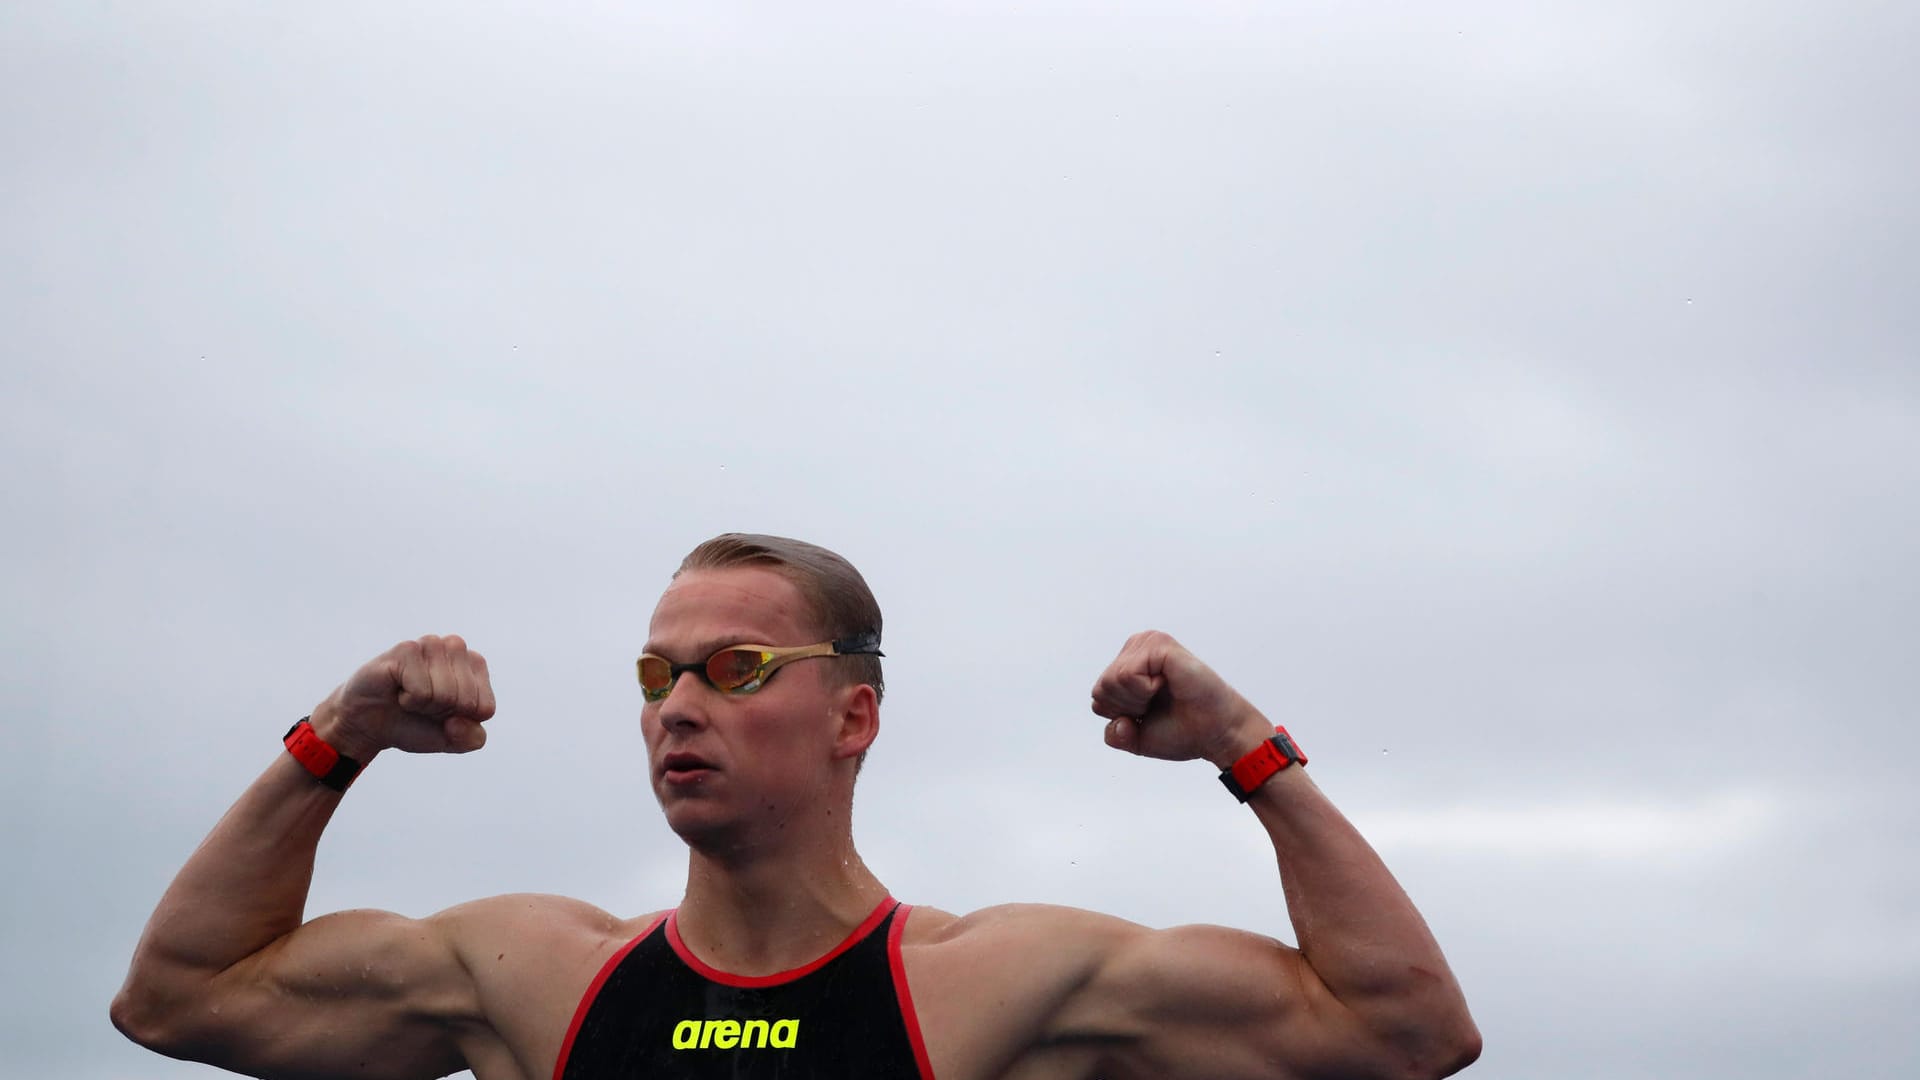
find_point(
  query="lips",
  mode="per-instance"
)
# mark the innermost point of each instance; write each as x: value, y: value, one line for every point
x: 681, y: 766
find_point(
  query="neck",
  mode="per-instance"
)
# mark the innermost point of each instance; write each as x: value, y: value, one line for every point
x: 766, y: 911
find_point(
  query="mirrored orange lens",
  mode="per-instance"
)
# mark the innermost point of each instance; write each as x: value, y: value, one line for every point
x: 731, y: 669
x: 655, y: 674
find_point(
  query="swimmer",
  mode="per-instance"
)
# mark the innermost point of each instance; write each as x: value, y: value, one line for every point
x: 786, y: 957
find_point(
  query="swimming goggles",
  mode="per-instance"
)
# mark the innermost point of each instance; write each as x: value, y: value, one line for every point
x: 743, y: 669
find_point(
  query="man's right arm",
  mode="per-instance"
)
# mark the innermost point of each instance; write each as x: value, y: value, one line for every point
x: 230, y: 973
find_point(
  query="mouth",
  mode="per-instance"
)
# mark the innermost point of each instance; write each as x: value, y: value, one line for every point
x: 684, y: 768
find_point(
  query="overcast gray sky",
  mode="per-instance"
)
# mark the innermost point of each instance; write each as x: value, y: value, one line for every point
x: 1519, y: 401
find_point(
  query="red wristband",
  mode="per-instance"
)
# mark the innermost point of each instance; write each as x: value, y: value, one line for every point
x: 329, y: 766
x: 1260, y: 763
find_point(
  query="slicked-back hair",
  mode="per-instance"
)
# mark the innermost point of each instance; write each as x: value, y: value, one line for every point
x: 837, y: 596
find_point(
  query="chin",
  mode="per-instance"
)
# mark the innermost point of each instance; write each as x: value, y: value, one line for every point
x: 700, y: 826
x: 721, y: 837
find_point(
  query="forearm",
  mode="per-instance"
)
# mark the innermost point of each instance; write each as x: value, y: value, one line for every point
x: 1356, y: 927
x: 1353, y: 921
x: 243, y: 888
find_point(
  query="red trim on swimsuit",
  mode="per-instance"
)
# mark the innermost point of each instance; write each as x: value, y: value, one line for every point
x: 904, y: 995
x: 593, y: 991
x: 727, y: 979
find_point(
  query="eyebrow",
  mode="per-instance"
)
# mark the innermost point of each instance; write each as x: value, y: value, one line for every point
x: 707, y: 647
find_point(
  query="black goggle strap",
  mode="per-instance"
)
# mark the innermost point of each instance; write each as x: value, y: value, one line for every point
x: 858, y: 645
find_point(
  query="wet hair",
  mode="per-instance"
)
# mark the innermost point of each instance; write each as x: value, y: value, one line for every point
x: 837, y: 596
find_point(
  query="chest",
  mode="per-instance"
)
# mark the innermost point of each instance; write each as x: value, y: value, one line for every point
x: 655, y: 1014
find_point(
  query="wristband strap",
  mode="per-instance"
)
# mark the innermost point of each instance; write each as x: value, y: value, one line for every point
x: 1260, y: 763
x: 329, y: 766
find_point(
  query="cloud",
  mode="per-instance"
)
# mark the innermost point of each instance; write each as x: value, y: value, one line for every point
x: 1644, y: 827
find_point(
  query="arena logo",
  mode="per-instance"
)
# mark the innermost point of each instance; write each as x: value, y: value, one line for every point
x: 735, y: 1034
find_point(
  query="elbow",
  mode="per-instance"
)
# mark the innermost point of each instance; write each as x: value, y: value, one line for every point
x: 150, y: 1018
x: 1463, y: 1050
x: 134, y: 1016
x: 1445, y: 1051
x: 1435, y: 1041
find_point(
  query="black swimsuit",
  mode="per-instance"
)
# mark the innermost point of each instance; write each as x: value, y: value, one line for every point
x: 656, y: 1011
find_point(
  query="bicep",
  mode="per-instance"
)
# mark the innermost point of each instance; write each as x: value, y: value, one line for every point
x: 355, y: 994
x: 1216, y: 1002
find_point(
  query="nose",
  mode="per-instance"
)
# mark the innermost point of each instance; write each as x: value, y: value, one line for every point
x: 685, y: 708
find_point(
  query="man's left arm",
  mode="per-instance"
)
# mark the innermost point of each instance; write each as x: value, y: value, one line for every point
x: 1368, y: 991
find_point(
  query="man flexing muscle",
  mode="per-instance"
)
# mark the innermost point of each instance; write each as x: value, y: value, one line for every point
x: 786, y: 957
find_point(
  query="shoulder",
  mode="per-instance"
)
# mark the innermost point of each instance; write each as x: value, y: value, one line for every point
x: 993, y: 987
x: 1040, y: 945
x: 1028, y: 934
x: 535, y: 928
x: 1033, y: 930
x: 1063, y: 951
x: 531, y: 958
x: 1049, y: 951
x: 1052, y: 935
x: 1031, y: 958
x: 531, y: 949
x: 1037, y: 978
x: 533, y: 911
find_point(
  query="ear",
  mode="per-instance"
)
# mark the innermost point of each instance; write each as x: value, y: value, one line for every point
x: 859, y: 721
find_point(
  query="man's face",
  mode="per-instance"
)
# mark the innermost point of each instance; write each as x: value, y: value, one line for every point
x: 726, y: 765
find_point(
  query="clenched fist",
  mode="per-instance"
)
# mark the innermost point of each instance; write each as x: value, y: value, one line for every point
x: 425, y: 697
x: 1162, y: 702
